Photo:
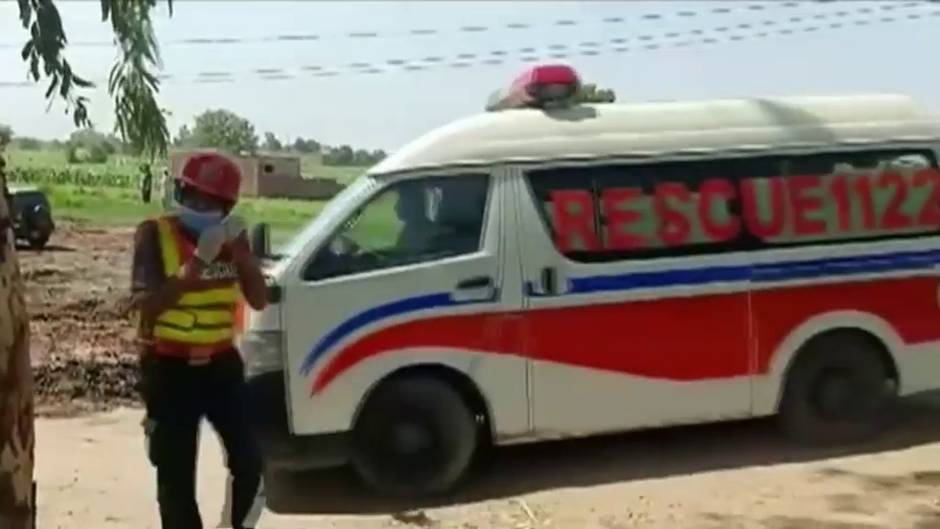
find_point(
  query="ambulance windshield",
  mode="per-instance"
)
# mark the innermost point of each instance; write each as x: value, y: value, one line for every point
x: 338, y: 205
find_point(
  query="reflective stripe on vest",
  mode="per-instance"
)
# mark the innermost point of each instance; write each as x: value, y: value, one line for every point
x: 201, y: 318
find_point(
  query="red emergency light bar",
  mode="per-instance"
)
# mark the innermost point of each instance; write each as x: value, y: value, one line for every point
x: 539, y: 87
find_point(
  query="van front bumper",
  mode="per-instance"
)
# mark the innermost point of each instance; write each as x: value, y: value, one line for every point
x: 281, y: 449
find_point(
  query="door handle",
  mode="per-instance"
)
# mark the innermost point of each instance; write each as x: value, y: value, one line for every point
x: 549, y: 280
x: 475, y: 282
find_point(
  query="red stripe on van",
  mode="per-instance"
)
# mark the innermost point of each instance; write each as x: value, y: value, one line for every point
x: 681, y: 339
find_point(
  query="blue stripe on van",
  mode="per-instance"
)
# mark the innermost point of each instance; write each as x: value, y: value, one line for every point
x: 666, y: 278
x: 760, y: 273
x: 846, y: 266
x: 372, y: 315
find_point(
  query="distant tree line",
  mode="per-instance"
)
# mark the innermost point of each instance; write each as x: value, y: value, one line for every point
x: 219, y: 129
x: 82, y: 146
x: 341, y: 155
x: 6, y: 135
x: 223, y: 129
x: 227, y: 131
x: 590, y: 93
x: 89, y: 146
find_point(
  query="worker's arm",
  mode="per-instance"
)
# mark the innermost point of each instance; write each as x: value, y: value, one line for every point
x: 250, y: 277
x: 151, y: 291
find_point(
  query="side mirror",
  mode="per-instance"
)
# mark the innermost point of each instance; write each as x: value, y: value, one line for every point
x: 260, y: 240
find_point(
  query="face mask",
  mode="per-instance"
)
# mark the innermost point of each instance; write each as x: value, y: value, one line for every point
x: 198, y: 221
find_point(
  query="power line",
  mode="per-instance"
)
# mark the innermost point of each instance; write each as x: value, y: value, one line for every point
x: 614, y: 21
x: 693, y: 38
x: 768, y: 27
x: 696, y: 38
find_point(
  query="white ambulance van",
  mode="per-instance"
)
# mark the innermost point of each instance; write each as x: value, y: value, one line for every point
x: 548, y: 269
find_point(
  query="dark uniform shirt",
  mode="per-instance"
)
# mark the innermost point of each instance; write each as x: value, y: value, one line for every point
x: 147, y: 274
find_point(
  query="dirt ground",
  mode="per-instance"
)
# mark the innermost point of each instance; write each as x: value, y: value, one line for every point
x: 92, y: 470
x: 92, y: 473
x: 81, y: 347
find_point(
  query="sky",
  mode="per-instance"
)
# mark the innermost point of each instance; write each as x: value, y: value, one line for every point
x: 631, y: 47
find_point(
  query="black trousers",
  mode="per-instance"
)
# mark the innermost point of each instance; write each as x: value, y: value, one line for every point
x: 178, y: 396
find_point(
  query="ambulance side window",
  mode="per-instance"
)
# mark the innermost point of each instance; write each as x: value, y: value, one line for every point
x: 409, y: 222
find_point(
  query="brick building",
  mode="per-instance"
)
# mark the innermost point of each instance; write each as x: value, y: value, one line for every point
x: 273, y: 176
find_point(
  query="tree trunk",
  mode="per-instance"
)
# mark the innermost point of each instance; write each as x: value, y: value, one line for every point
x: 16, y: 385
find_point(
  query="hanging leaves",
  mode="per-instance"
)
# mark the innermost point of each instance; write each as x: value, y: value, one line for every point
x: 138, y: 117
x: 132, y: 84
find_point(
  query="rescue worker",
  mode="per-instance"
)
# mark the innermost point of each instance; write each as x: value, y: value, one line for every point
x: 166, y: 190
x: 188, y: 268
x: 417, y: 231
x: 146, y: 183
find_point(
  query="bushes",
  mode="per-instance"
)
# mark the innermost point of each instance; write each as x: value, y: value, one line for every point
x: 93, y: 154
x: 28, y: 144
x: 344, y: 155
x: 107, y: 177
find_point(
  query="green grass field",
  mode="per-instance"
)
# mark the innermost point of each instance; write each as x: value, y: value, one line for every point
x: 48, y: 158
x: 122, y: 207
x: 311, y: 165
x: 114, y: 206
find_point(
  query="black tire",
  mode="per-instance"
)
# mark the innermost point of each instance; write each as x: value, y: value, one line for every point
x: 837, y: 390
x: 37, y: 226
x: 38, y: 243
x: 444, y: 438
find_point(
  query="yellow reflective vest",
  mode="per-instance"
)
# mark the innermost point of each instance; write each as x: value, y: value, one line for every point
x: 202, y: 322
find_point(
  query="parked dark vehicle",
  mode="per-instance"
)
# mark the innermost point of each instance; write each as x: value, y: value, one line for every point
x: 32, y: 216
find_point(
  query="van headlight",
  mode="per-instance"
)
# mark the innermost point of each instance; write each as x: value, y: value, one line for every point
x: 263, y: 351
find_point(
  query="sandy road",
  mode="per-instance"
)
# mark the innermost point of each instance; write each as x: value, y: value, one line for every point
x: 92, y: 473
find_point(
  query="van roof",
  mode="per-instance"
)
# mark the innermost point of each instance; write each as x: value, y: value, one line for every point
x: 661, y: 129
x: 22, y: 188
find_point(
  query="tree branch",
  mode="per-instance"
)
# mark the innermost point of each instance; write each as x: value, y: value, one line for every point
x: 132, y: 84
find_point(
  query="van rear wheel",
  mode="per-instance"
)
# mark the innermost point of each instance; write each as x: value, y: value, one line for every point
x: 837, y: 390
x: 415, y: 437
x: 38, y: 241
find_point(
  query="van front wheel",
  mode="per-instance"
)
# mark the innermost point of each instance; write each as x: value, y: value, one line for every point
x: 415, y: 437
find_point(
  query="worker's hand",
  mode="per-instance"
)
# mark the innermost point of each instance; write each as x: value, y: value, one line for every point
x: 241, y: 250
x: 210, y: 243
x: 237, y: 237
x: 234, y: 227
x: 190, y: 272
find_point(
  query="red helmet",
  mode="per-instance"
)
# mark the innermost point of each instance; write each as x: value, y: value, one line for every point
x: 213, y: 174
